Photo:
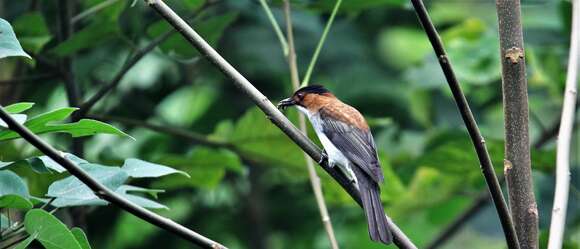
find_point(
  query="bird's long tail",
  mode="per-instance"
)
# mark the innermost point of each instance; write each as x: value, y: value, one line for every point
x: 379, y: 230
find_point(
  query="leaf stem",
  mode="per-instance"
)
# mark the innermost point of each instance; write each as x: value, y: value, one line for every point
x: 306, y: 79
x: 276, y: 27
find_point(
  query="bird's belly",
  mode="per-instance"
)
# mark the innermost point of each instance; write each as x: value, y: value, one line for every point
x: 335, y: 156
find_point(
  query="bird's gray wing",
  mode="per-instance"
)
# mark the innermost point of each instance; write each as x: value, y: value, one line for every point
x: 356, y: 144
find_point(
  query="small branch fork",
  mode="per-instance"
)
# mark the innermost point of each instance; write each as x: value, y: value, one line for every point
x: 471, y: 125
x: 104, y: 193
x: 400, y: 239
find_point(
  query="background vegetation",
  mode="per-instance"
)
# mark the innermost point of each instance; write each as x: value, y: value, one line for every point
x: 248, y: 184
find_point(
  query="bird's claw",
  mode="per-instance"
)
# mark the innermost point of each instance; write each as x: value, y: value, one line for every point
x: 323, y: 157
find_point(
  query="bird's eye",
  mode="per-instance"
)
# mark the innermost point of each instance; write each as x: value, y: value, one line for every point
x: 300, y: 95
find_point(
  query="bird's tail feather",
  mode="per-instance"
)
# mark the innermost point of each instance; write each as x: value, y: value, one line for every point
x: 378, y: 225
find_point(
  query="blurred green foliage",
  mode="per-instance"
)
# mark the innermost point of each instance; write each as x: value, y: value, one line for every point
x: 248, y: 185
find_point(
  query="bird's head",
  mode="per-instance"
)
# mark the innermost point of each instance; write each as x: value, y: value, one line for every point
x: 306, y: 97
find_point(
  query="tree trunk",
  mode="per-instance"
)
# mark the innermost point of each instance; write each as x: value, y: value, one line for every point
x: 517, y: 166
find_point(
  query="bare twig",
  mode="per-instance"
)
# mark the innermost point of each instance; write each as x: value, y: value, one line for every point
x: 198, y: 138
x: 314, y: 179
x: 306, y: 79
x: 558, y: 222
x: 517, y: 162
x: 275, y: 26
x: 131, y: 60
x: 94, y: 9
x: 103, y: 192
x: 474, y: 133
x: 266, y: 106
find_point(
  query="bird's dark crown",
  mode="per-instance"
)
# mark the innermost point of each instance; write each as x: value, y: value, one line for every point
x: 318, y: 89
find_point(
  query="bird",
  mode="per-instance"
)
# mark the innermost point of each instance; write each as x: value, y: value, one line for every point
x: 348, y: 144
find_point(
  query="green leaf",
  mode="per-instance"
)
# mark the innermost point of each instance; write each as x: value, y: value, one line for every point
x: 152, y: 192
x: 12, y: 184
x: 186, y: 105
x: 43, y: 164
x: 9, y: 45
x: 15, y: 201
x: 42, y: 124
x: 52, y: 233
x: 138, y: 168
x: 18, y: 107
x: 141, y: 201
x: 91, y: 36
x: 32, y: 31
x: 25, y: 243
x: 255, y: 135
x: 72, y: 192
x: 85, y: 127
x: 81, y: 237
x: 211, y: 30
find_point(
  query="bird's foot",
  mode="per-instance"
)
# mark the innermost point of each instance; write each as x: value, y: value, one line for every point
x: 324, y: 158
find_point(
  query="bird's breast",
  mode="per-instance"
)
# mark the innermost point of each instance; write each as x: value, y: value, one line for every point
x: 334, y: 154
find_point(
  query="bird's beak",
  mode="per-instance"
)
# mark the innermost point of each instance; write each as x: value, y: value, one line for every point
x: 285, y: 103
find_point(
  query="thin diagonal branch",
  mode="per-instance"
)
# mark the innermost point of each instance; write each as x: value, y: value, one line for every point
x: 306, y: 79
x: 131, y: 60
x: 129, y: 63
x: 474, y: 133
x: 558, y: 222
x: 275, y: 26
x: 314, y: 179
x: 103, y: 192
x: 266, y: 106
x: 94, y: 9
x: 196, y: 137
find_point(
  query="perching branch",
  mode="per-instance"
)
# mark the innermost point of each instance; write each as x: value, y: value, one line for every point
x: 474, y: 133
x: 266, y: 106
x: 103, y: 192
x: 306, y: 79
x: 558, y: 222
x: 517, y: 162
x: 314, y: 179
